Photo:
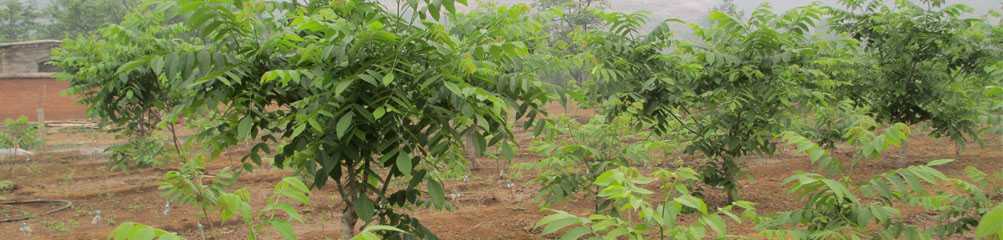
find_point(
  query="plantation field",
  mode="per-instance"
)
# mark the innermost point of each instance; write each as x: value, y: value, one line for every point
x: 486, y: 206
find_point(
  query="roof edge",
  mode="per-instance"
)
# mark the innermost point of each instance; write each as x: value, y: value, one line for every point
x: 11, y: 44
x: 20, y: 76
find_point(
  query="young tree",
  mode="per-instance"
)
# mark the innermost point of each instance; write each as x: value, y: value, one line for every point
x: 351, y: 92
x: 18, y: 21
x: 491, y: 28
x: 733, y: 91
x: 564, y: 20
x: 931, y: 62
x: 126, y: 90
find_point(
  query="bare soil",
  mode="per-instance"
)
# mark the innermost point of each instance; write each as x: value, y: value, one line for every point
x: 72, y: 168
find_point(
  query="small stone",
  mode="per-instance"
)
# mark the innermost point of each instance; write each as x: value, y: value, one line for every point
x: 97, y: 217
x: 167, y: 208
x: 25, y: 228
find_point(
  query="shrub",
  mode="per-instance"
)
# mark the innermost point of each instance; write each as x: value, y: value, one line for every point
x: 19, y: 133
x: 139, y: 152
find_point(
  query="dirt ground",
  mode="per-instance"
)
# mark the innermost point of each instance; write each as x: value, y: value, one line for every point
x: 72, y: 168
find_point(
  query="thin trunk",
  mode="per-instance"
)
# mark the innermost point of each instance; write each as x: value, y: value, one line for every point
x: 174, y: 136
x: 470, y: 150
x: 348, y: 220
x: 903, y: 154
x: 732, y: 193
x: 730, y: 169
x: 957, y: 151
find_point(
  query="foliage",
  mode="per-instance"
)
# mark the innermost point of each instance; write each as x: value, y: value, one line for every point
x: 7, y: 186
x: 931, y: 62
x: 128, y: 89
x: 192, y: 185
x: 732, y: 91
x: 370, y: 232
x: 18, y: 20
x: 860, y: 135
x: 829, y: 125
x: 230, y: 205
x: 991, y: 224
x: 369, y: 93
x: 289, y: 190
x: 578, y: 153
x: 993, y: 118
x: 137, y: 231
x: 19, y: 133
x: 490, y: 29
x: 139, y: 152
x: 564, y: 22
x: 839, y: 209
x: 637, y: 218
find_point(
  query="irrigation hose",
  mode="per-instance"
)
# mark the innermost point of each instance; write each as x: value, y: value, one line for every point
x: 65, y: 205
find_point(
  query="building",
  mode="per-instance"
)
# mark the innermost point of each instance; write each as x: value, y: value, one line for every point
x: 27, y: 86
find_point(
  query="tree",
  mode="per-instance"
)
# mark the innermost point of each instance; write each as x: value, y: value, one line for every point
x: 69, y: 18
x: 349, y: 91
x: 491, y: 28
x: 931, y: 62
x: 733, y: 91
x: 17, y: 21
x: 127, y: 91
x: 576, y: 154
x: 565, y: 20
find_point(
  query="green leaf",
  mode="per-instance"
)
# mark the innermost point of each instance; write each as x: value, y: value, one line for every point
x: 293, y: 188
x: 284, y: 228
x: 716, y: 223
x: 939, y: 162
x: 508, y: 152
x: 558, y: 225
x: 991, y: 223
x: 364, y: 208
x: 244, y: 128
x: 575, y: 233
x: 366, y: 236
x: 388, y: 79
x: 379, y: 112
x: 404, y: 163
x: 343, y: 124
x: 692, y: 202
x: 342, y: 85
x: 436, y: 191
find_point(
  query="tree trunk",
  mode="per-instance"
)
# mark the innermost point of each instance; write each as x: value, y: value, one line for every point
x: 730, y: 170
x: 732, y: 192
x: 470, y: 150
x: 348, y: 220
x: 957, y: 151
x: 903, y: 159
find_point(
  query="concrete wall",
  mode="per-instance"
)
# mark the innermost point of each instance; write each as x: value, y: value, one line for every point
x: 26, y: 57
x: 24, y: 94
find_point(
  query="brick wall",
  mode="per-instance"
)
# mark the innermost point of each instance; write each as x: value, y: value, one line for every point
x: 23, y: 94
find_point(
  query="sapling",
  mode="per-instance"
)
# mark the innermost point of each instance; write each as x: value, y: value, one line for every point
x: 20, y: 135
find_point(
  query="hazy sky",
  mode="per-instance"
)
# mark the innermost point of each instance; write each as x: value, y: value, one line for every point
x: 694, y: 10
